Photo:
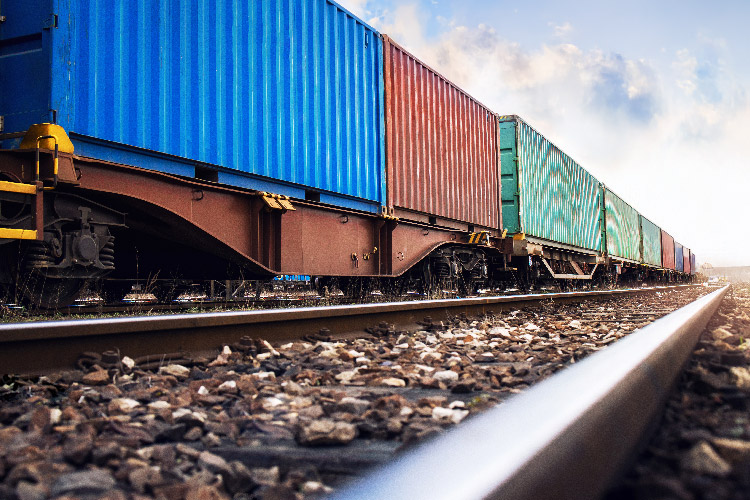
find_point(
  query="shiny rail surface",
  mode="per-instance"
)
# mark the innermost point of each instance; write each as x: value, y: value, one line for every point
x: 37, y: 347
x: 567, y: 437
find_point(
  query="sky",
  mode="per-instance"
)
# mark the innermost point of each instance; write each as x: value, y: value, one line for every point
x: 652, y: 98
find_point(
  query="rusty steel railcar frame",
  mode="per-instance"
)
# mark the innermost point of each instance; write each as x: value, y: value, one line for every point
x: 249, y: 228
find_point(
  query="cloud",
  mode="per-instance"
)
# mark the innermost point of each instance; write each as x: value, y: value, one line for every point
x: 625, y: 87
x: 666, y: 134
x: 563, y: 30
x: 356, y: 7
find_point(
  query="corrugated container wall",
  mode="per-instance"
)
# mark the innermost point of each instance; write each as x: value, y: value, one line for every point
x: 651, y: 242
x: 441, y: 144
x: 623, y: 228
x: 667, y: 250
x: 546, y: 194
x: 679, y: 263
x: 290, y: 91
x: 686, y: 260
x: 693, y: 270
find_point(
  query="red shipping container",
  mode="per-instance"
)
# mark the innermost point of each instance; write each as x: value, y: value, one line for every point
x: 667, y: 250
x: 686, y: 260
x: 441, y: 146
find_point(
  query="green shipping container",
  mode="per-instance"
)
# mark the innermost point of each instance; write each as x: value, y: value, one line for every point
x: 651, y: 242
x: 546, y: 194
x: 623, y: 228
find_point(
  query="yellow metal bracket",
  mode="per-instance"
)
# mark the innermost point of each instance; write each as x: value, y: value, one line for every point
x: 17, y: 234
x: 35, y: 190
x: 480, y: 238
x: 276, y: 201
x: 17, y: 187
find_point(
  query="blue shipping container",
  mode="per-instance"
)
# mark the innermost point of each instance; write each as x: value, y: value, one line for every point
x: 277, y: 95
x: 678, y: 259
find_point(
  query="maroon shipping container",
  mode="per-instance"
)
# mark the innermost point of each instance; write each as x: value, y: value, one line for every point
x: 667, y: 250
x: 686, y: 260
x: 441, y: 146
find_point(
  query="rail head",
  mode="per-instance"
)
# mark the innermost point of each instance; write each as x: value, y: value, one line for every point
x: 567, y: 437
x: 10, y: 332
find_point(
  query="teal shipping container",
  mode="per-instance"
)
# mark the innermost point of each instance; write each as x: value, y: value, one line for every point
x: 545, y: 194
x: 281, y: 96
x: 651, y: 242
x: 623, y: 228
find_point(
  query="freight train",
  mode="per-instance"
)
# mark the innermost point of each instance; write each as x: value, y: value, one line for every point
x: 251, y: 139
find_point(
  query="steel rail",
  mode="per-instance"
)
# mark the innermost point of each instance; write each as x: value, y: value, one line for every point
x: 38, y: 347
x: 567, y: 437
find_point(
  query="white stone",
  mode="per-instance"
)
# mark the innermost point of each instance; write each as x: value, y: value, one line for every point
x: 226, y: 350
x: 263, y: 356
x: 532, y: 327
x: 229, y: 385
x: 312, y: 487
x: 393, y: 382
x: 455, y: 416
x: 740, y: 376
x: 346, y: 376
x: 270, y: 348
x: 425, y: 368
x: 265, y: 375
x: 402, y: 346
x: 362, y: 360
x: 159, y: 405
x: 128, y: 362
x: 202, y: 391
x: 54, y: 416
x: 178, y: 371
x: 125, y: 404
x: 498, y: 330
x: 446, y: 375
x: 271, y: 402
x: 574, y: 324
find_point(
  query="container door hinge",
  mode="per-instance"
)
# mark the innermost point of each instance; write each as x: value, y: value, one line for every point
x: 2, y: 19
x: 50, y: 22
x: 2, y: 123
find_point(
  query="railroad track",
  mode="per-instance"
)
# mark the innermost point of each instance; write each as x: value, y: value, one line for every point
x: 255, y: 418
x: 36, y: 347
x: 567, y: 437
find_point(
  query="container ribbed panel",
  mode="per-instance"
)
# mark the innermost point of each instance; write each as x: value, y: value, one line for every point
x: 559, y: 200
x: 623, y: 228
x: 291, y: 90
x: 651, y: 242
x: 441, y: 143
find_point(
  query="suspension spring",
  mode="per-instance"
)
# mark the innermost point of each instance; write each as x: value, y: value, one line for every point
x: 107, y: 254
x: 38, y: 255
